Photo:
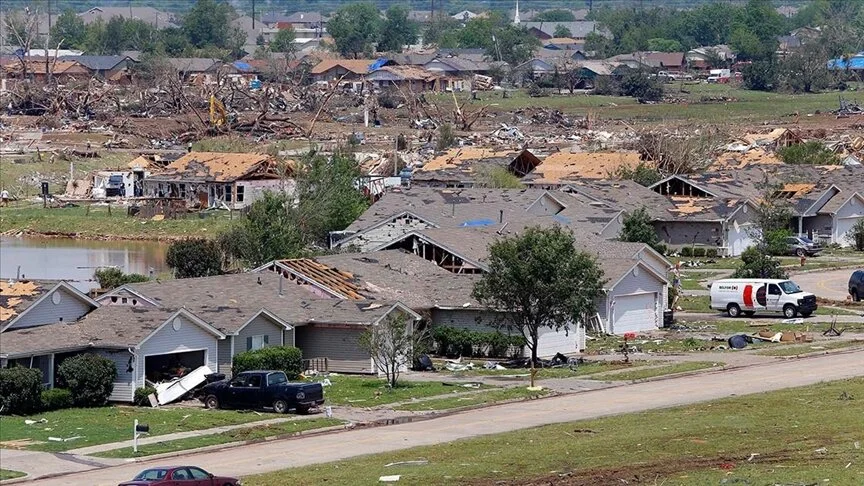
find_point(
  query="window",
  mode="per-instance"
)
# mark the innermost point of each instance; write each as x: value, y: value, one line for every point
x: 257, y: 342
x: 773, y: 290
x: 228, y: 193
x: 151, y: 474
x: 180, y: 474
x: 238, y: 381
x: 124, y: 300
x: 790, y: 287
x: 182, y: 190
x: 276, y: 379
x: 198, y: 473
x: 254, y: 381
x: 241, y: 193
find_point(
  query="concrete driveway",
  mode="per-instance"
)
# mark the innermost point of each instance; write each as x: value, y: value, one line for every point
x: 280, y: 454
x: 832, y: 284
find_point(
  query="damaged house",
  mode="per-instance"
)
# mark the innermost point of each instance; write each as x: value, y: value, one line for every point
x: 218, y: 180
x: 472, y: 166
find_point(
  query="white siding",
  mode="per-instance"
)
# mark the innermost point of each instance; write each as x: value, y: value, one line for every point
x: 190, y: 337
x: 644, y: 282
x: 124, y: 384
x: 845, y: 219
x: 69, y: 309
x: 473, y: 320
x: 340, y: 346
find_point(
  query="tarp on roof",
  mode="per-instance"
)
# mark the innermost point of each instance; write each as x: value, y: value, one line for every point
x: 378, y: 64
x: 242, y: 66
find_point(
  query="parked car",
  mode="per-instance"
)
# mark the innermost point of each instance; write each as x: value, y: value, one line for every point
x: 749, y: 296
x: 262, y: 389
x: 856, y: 285
x: 179, y: 476
x: 802, y: 246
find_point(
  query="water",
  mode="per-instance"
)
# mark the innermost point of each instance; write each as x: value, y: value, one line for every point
x: 75, y: 260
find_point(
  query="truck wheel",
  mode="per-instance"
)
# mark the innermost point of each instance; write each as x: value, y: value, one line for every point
x: 790, y: 311
x: 302, y: 410
x: 749, y: 313
x: 733, y: 310
x: 280, y: 406
x: 807, y: 314
x: 855, y: 296
x: 211, y: 402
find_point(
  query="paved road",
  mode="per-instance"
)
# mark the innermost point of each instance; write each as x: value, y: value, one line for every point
x: 277, y: 455
x: 832, y: 284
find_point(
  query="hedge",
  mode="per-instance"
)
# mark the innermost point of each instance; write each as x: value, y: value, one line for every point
x: 142, y: 396
x: 56, y: 399
x: 89, y: 377
x: 20, y: 390
x: 454, y: 341
x: 282, y: 358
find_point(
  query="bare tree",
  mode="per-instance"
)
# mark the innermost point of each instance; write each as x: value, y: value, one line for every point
x: 393, y: 343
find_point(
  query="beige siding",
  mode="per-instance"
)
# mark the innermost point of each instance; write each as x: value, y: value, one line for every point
x: 124, y: 384
x: 225, y: 354
x: 260, y: 326
x: 340, y: 347
x: 463, y: 319
x: 189, y: 337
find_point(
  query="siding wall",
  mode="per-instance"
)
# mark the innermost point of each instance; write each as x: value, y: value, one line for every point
x: 262, y: 325
x: 386, y: 233
x: 124, y: 384
x: 131, y: 300
x: 70, y: 309
x: 289, y: 337
x: 689, y: 232
x: 644, y: 282
x: 190, y: 337
x: 545, y: 206
x: 225, y: 355
x: 821, y: 224
x: 340, y: 346
x: 463, y: 319
x: 853, y: 210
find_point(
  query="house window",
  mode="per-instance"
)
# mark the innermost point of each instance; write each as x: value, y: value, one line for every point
x: 228, y: 193
x: 182, y: 190
x: 124, y: 300
x: 257, y: 342
x: 241, y: 193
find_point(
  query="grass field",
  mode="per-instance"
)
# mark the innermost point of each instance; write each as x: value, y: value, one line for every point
x: 9, y: 474
x: 797, y: 436
x: 98, y: 223
x: 22, y: 175
x: 238, y: 435
x: 816, y: 347
x: 111, y: 424
x: 653, y: 372
x: 369, y: 392
x: 473, y: 399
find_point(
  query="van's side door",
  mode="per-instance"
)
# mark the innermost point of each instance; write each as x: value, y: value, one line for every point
x: 774, y: 296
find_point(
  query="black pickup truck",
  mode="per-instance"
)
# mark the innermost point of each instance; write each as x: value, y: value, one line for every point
x: 262, y: 389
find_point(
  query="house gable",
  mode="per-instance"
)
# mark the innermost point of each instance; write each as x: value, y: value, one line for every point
x: 385, y: 230
x: 425, y: 247
x: 63, y: 303
x: 679, y: 186
x: 126, y: 296
x: 546, y: 205
x: 264, y: 324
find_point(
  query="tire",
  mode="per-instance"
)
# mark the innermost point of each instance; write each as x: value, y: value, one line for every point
x: 302, y: 410
x: 749, y: 313
x: 800, y: 252
x: 855, y: 296
x: 733, y: 310
x: 211, y: 402
x: 280, y: 406
x: 789, y: 311
x: 807, y: 314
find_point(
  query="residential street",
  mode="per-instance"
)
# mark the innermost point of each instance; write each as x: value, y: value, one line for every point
x: 270, y: 456
x: 833, y: 284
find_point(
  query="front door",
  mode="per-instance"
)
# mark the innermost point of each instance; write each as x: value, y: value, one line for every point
x: 774, y: 295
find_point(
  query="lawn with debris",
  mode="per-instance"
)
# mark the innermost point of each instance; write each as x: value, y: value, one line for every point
x: 807, y: 435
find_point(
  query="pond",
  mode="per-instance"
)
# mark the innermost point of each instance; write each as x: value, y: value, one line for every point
x: 75, y: 260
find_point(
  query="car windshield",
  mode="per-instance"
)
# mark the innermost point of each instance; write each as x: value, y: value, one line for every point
x: 151, y: 475
x: 790, y: 287
x: 806, y: 240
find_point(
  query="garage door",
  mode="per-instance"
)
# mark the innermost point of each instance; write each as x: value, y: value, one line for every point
x: 637, y: 312
x: 740, y: 238
x: 844, y: 226
x: 549, y: 343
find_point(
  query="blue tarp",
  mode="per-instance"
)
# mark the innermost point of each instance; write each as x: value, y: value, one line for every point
x: 378, y: 64
x: 242, y: 66
x: 478, y: 222
x: 856, y: 62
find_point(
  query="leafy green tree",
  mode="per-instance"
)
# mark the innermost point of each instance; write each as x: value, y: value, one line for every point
x: 69, y: 30
x: 355, y: 28
x: 808, y: 153
x: 114, y: 36
x: 96, y: 40
x: 442, y: 31
x: 194, y: 257
x: 268, y: 232
x: 640, y: 85
x: 208, y: 24
x: 113, y: 277
x: 173, y: 41
x: 637, y: 228
x: 284, y: 42
x: 561, y: 31
x: 747, y: 45
x: 805, y: 70
x: 642, y: 174
x: 664, y: 45
x: 761, y: 76
x: 513, y: 45
x: 773, y: 218
x: 138, y: 35
x: 393, y: 344
x: 538, y: 279
x: 397, y: 30
x: 758, y: 263
x: 856, y: 236
x: 555, y: 15
x: 762, y: 19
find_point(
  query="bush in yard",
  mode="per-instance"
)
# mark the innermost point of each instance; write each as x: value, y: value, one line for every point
x: 856, y: 236
x: 687, y: 251
x: 699, y: 252
x: 808, y: 153
x: 142, y: 394
x: 757, y: 263
x: 454, y: 341
x: 711, y: 252
x: 282, y: 358
x: 89, y: 377
x: 20, y: 390
x: 56, y: 399
x: 195, y: 257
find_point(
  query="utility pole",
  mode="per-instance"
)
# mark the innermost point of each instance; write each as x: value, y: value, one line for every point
x: 432, y: 10
x: 49, y: 15
x: 253, y: 14
x: 130, y: 10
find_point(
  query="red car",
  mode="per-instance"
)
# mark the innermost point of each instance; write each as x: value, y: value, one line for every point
x: 179, y: 476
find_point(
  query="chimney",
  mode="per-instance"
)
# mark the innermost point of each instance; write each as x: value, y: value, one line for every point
x: 281, y: 292
x: 500, y: 216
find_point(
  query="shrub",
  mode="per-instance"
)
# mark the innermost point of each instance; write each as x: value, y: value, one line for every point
x: 757, y: 263
x: 711, y: 253
x: 112, y: 277
x: 661, y: 248
x: 195, y: 257
x: 454, y: 341
x: 142, y: 394
x: 687, y: 251
x: 56, y: 399
x: 808, y: 153
x: 856, y: 236
x: 446, y: 137
x: 89, y: 377
x: 282, y: 358
x: 699, y: 252
x: 20, y: 390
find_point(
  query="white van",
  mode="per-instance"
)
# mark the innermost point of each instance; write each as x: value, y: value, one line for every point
x: 737, y: 295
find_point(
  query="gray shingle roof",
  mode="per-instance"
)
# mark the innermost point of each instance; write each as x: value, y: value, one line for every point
x: 97, y: 63
x: 578, y: 29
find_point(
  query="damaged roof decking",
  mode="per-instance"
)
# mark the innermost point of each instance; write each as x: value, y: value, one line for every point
x: 564, y: 166
x: 740, y: 160
x: 461, y: 164
x: 16, y: 297
x: 216, y: 167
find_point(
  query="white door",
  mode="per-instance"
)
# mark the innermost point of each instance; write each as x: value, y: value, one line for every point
x: 637, y: 312
x: 844, y: 226
x: 549, y: 342
x: 740, y: 237
x: 774, y: 298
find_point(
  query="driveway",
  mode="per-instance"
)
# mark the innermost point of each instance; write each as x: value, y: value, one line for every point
x: 833, y: 284
x: 276, y: 455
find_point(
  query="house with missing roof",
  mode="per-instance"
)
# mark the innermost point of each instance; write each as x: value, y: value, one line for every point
x: 157, y: 330
x: 219, y: 180
x: 463, y: 167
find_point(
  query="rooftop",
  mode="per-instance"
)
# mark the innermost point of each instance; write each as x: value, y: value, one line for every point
x: 216, y: 166
x: 566, y: 166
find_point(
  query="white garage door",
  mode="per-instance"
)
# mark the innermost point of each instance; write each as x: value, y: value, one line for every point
x: 549, y: 343
x: 637, y: 312
x: 740, y: 238
x: 844, y: 226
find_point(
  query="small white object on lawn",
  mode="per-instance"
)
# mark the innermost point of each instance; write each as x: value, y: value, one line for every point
x: 390, y: 479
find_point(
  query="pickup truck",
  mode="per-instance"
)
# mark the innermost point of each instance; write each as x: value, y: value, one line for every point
x: 262, y: 389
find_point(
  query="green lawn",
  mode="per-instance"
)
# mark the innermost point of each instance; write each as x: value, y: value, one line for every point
x: 245, y: 434
x: 111, y: 424
x: 98, y: 223
x: 695, y: 303
x: 583, y: 369
x: 653, y: 372
x: 815, y: 347
x: 473, y: 399
x: 797, y: 436
x: 9, y: 474
x: 22, y: 175
x: 369, y: 392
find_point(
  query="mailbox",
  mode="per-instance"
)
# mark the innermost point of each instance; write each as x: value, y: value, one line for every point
x: 142, y: 428
x: 45, y: 188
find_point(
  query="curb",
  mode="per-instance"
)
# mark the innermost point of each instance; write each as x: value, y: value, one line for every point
x: 20, y: 479
x: 823, y: 269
